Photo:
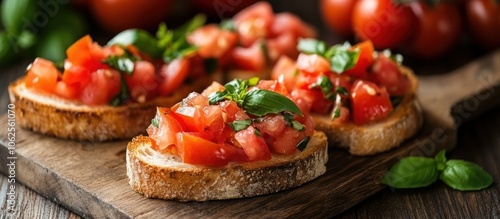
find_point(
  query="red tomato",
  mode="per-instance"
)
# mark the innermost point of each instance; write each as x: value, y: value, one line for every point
x: 165, y: 135
x: 483, y: 17
x: 318, y: 102
x: 386, y: 73
x: 438, y: 30
x: 312, y: 63
x: 254, y: 146
x: 365, y: 59
x: 274, y: 86
x: 117, y: 15
x: 337, y: 15
x: 67, y: 91
x: 285, y: 72
x: 251, y: 58
x: 254, y: 22
x: 369, y: 102
x: 282, y: 45
x: 233, y: 112
x: 212, y: 42
x: 173, y: 74
x: 385, y: 24
x: 103, y: 86
x: 220, y: 8
x: 42, y: 75
x: 286, y: 22
x: 199, y: 151
x: 142, y: 84
x: 214, y: 87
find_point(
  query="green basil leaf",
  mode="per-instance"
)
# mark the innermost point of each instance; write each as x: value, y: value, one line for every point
x: 227, y: 24
x: 312, y: 46
x: 440, y: 160
x: 141, y: 39
x: 465, y: 176
x: 124, y: 94
x: 343, y: 59
x: 216, y: 97
x: 324, y: 83
x: 257, y: 132
x: 336, y: 106
x: 411, y: 172
x: 239, y: 125
x: 253, y: 81
x: 261, y: 102
x: 155, y: 122
x: 303, y: 143
x: 292, y: 123
x: 341, y: 90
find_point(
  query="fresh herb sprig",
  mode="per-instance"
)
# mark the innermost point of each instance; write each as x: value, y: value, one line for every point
x: 415, y: 172
x: 341, y: 57
x: 257, y: 102
x: 327, y: 88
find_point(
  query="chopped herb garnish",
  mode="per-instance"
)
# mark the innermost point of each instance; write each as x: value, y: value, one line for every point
x: 303, y: 144
x: 294, y: 124
x: 257, y: 132
x: 154, y: 122
x: 341, y: 57
x: 227, y: 24
x: 326, y: 86
x: 239, y: 125
x: 336, y: 107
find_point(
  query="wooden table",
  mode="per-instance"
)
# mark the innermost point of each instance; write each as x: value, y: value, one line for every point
x: 478, y: 141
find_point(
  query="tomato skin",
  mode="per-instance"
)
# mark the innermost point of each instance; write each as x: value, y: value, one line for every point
x: 386, y: 73
x: 42, y: 75
x: 199, y: 151
x: 365, y: 59
x: 312, y: 63
x: 212, y: 41
x: 285, y: 72
x: 439, y: 28
x: 369, y: 102
x: 173, y: 74
x: 337, y: 15
x: 117, y: 15
x: 251, y: 58
x: 168, y: 127
x: 385, y: 24
x: 483, y: 17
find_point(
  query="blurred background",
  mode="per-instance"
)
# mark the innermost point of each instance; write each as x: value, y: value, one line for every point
x: 435, y: 36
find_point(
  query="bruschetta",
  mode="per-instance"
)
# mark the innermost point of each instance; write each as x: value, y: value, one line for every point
x: 362, y: 99
x: 244, y: 139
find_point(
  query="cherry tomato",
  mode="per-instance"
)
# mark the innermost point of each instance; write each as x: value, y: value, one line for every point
x: 438, y: 29
x: 369, y: 102
x: 387, y: 25
x: 118, y: 15
x: 385, y: 72
x: 42, y: 75
x: 484, y: 21
x: 337, y: 15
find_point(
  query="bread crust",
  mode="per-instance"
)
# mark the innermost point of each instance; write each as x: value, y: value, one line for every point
x: 403, y: 123
x: 62, y: 118
x: 157, y: 175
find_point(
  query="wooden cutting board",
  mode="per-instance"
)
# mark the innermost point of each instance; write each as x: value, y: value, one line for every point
x: 90, y: 178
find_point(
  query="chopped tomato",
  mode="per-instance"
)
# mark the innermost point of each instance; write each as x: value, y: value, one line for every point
x: 67, y: 91
x: 343, y: 116
x: 365, y: 59
x: 285, y: 72
x: 317, y: 99
x: 212, y: 41
x: 252, y: 58
x: 273, y: 85
x: 254, y: 146
x: 254, y: 22
x: 87, y: 53
x: 233, y: 112
x: 191, y: 118
x: 168, y: 127
x: 288, y: 142
x: 103, y: 86
x: 282, y: 45
x: 386, y: 73
x: 173, y: 75
x: 214, y: 87
x: 312, y: 63
x: 287, y: 22
x: 142, y: 84
x: 199, y: 151
x: 369, y: 102
x: 42, y: 75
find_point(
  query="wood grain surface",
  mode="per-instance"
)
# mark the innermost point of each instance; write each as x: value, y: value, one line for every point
x: 90, y: 178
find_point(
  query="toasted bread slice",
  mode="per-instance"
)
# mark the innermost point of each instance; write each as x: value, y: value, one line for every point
x: 52, y: 115
x: 403, y: 123
x: 157, y: 175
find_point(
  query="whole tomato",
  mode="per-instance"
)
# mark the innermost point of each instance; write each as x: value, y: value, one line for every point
x: 438, y: 29
x: 220, y: 9
x: 483, y: 17
x: 117, y: 15
x: 337, y: 15
x: 383, y: 22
